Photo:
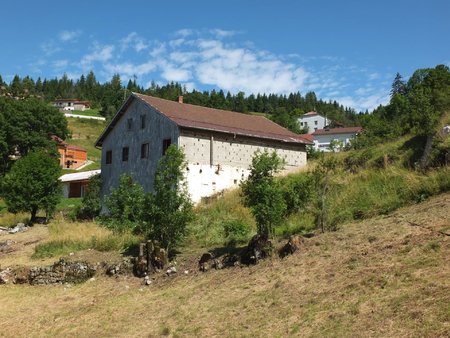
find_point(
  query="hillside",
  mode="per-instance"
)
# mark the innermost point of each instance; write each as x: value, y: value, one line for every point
x: 386, y: 276
x: 84, y: 133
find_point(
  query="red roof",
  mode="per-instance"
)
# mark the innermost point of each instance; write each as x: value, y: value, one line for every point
x: 311, y: 113
x: 203, y: 118
x: 308, y: 137
x: 331, y: 131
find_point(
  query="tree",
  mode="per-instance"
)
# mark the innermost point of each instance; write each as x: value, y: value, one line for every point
x: 27, y: 125
x: 263, y: 194
x: 398, y: 86
x: 91, y: 204
x: 32, y: 184
x: 168, y: 209
x: 124, y: 205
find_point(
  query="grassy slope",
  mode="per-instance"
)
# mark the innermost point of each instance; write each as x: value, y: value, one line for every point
x: 378, y: 277
x: 84, y: 134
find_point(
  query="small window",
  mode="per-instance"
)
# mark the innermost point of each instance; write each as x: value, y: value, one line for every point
x: 129, y: 124
x: 109, y: 157
x: 125, y: 151
x: 144, y: 150
x: 166, y: 144
x: 142, y: 121
x: 315, y: 122
x: 306, y: 124
x: 301, y: 124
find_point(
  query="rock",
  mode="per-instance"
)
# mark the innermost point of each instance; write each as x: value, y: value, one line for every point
x: 217, y: 264
x: 291, y: 246
x: 204, y: 263
x: 5, y: 275
x: 258, y: 248
x: 186, y: 272
x: 171, y: 270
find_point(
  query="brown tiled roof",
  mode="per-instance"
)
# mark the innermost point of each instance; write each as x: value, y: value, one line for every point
x: 197, y: 117
x: 308, y: 137
x: 331, y: 131
x: 311, y: 113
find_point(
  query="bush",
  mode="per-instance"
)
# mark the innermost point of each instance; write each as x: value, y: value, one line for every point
x: 263, y: 194
x: 236, y: 231
x: 91, y: 202
x: 297, y: 191
x: 125, y: 205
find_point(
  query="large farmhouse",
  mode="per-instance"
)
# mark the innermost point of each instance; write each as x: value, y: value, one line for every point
x: 218, y: 144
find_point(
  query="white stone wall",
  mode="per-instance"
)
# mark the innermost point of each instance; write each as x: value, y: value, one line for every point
x: 204, y: 180
x: 228, y: 164
x: 236, y: 151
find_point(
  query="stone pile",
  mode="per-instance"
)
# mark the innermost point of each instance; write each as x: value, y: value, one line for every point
x: 61, y: 272
x: 18, y: 228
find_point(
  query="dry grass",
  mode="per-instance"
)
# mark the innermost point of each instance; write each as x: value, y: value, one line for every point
x: 383, y: 277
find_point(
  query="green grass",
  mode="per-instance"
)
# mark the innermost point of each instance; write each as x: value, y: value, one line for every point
x: 65, y: 246
x: 68, y: 204
x: 366, y: 184
x: 84, y: 133
x: 90, y: 112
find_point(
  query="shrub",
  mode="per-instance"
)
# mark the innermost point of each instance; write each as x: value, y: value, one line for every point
x: 236, y: 231
x: 263, y: 194
x: 125, y: 205
x: 91, y: 202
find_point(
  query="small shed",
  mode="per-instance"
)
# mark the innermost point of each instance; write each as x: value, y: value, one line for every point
x: 74, y: 184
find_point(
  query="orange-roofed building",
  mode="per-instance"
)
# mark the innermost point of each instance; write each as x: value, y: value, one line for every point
x: 70, y: 156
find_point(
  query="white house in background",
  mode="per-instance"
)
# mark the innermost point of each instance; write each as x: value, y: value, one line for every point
x: 323, y: 137
x: 313, y: 121
x: 72, y: 104
x: 74, y: 184
x: 219, y: 145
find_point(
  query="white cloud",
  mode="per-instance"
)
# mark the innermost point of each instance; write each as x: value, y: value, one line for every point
x: 171, y: 72
x: 134, y: 41
x: 99, y: 54
x: 207, y: 58
x: 184, y: 32
x: 129, y: 70
x: 49, y: 48
x: 60, y: 63
x: 67, y: 36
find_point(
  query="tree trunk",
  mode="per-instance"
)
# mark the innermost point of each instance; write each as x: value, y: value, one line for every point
x: 426, y: 152
x: 33, y: 215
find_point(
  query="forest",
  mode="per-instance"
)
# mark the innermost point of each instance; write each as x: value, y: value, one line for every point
x: 109, y: 96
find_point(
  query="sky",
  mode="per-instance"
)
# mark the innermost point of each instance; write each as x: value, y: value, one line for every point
x: 348, y: 51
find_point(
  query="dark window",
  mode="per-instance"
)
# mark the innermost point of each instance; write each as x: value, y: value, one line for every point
x: 315, y: 122
x: 144, y: 150
x: 125, y: 151
x: 166, y: 144
x: 109, y: 157
x: 129, y: 124
x: 142, y: 121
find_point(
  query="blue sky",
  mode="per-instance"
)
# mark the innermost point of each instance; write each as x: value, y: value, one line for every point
x: 347, y: 51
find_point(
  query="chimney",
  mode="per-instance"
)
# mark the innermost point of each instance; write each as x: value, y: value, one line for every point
x: 180, y: 99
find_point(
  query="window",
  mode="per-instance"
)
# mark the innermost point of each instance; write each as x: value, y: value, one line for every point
x: 166, y: 143
x: 315, y: 129
x: 109, y: 157
x: 125, y: 151
x: 301, y: 124
x: 129, y: 124
x: 306, y: 124
x: 144, y: 150
x: 315, y: 122
x: 142, y: 121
